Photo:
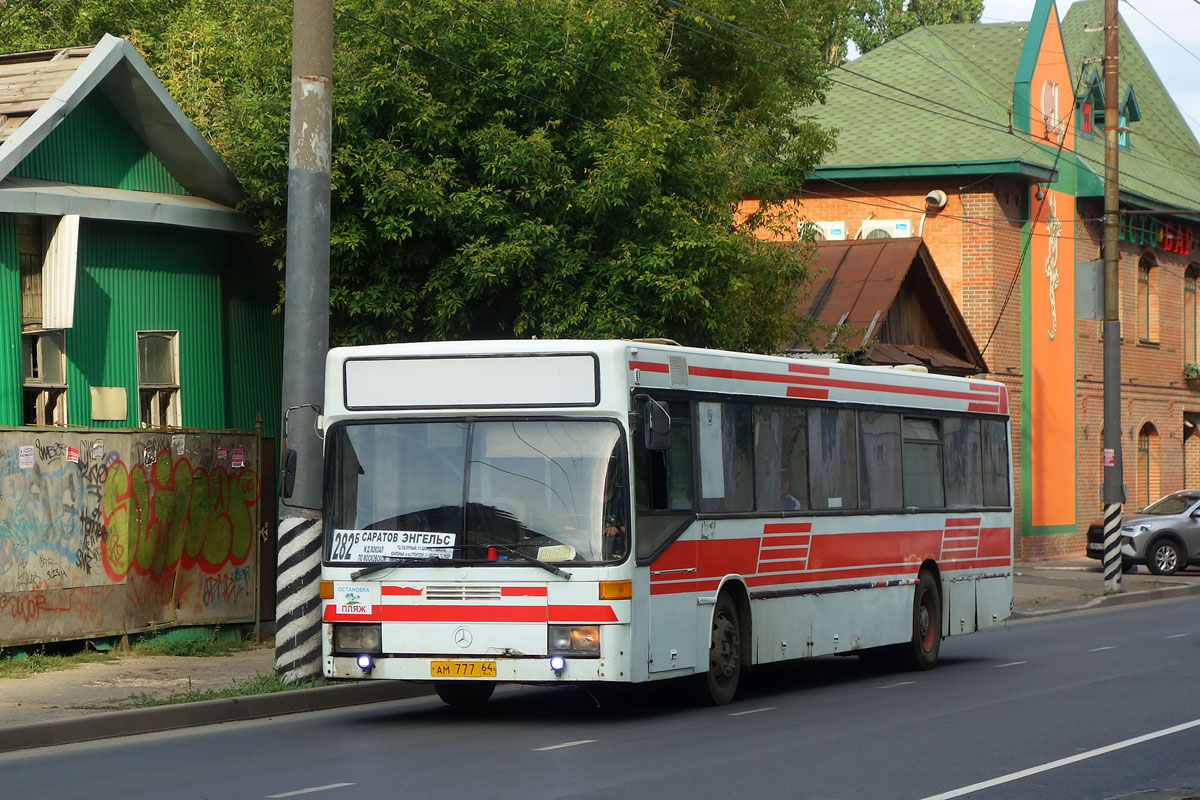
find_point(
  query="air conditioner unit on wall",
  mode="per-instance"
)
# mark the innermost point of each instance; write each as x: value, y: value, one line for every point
x: 886, y: 229
x: 829, y: 231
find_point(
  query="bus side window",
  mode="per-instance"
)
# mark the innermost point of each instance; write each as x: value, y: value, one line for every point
x: 964, y: 463
x: 832, y: 458
x: 880, y: 485
x: 725, y: 436
x: 995, y: 463
x: 780, y: 458
x: 923, y: 463
x: 663, y: 478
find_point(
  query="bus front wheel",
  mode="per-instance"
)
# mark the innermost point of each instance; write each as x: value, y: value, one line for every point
x: 464, y: 694
x: 718, y: 686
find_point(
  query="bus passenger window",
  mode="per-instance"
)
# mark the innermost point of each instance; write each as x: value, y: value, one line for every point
x: 964, y: 463
x: 833, y: 466
x: 995, y: 463
x: 880, y: 484
x: 724, y: 434
x: 922, y: 464
x: 780, y: 458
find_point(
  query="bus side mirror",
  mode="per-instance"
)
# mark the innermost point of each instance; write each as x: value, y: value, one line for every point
x: 289, y: 473
x: 656, y: 423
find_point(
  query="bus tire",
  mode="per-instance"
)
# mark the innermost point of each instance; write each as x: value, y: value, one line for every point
x: 921, y: 652
x: 719, y: 684
x: 464, y: 694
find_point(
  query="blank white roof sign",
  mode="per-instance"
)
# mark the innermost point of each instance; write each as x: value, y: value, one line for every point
x: 523, y: 381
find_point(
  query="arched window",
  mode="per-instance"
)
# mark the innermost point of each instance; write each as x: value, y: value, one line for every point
x: 1147, y: 466
x: 1147, y: 299
x: 1190, y: 316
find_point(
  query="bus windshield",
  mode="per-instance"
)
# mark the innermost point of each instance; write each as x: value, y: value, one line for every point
x: 428, y: 493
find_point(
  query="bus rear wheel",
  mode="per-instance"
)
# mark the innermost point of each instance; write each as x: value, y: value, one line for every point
x: 464, y: 694
x: 718, y: 686
x: 922, y: 652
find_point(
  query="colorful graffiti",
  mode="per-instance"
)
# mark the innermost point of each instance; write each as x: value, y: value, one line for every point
x: 173, y: 514
x: 134, y: 530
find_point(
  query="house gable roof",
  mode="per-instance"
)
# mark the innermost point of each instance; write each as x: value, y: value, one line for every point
x: 886, y: 300
x: 940, y: 100
x: 39, y: 89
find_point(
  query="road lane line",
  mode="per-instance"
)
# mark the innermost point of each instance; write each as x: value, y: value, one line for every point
x: 1062, y: 762
x: 309, y: 790
x: 894, y: 685
x: 1107, y: 647
x: 1178, y: 635
x: 1011, y: 664
x: 752, y: 711
x: 564, y: 744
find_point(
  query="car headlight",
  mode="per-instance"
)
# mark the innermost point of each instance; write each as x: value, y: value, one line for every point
x: 575, y: 640
x: 357, y: 638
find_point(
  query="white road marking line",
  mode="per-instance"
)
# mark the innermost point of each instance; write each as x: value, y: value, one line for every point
x: 1011, y: 664
x: 1178, y: 635
x: 1062, y: 762
x: 894, y: 685
x: 752, y: 711
x: 1106, y: 647
x: 309, y: 790
x: 564, y: 744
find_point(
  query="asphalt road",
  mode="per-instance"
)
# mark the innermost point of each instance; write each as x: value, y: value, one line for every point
x: 1093, y: 705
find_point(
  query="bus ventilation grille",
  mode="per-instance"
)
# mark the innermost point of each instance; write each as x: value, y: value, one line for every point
x: 462, y: 594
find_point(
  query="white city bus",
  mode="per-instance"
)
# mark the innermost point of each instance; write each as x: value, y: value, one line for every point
x: 628, y: 511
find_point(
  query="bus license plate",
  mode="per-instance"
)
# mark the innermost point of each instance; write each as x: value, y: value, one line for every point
x: 462, y: 669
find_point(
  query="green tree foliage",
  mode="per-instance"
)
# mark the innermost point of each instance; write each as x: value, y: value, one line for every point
x: 872, y: 22
x: 515, y: 168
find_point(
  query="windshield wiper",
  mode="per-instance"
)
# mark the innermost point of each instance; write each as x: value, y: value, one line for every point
x: 525, y: 557
x: 391, y: 564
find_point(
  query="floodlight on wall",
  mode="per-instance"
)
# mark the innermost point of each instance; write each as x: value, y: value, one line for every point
x: 1040, y: 194
x: 935, y: 200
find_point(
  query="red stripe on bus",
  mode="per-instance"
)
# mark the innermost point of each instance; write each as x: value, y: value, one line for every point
x: 849, y: 550
x: 784, y: 541
x: 808, y: 394
x: 401, y: 591
x: 986, y: 408
x: 787, y: 527
x: 811, y: 369
x: 684, y: 587
x: 464, y: 613
x: 995, y: 542
x: 523, y: 591
x: 778, y: 553
x: 582, y: 614
x: 649, y: 366
x: 768, y: 567
x: 963, y: 522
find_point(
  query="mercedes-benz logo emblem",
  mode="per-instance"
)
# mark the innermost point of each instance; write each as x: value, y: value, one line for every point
x: 462, y: 637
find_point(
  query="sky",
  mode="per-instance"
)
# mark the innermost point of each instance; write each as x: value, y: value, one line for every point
x: 1168, y: 31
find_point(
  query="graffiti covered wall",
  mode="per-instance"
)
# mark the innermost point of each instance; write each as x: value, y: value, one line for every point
x: 109, y: 532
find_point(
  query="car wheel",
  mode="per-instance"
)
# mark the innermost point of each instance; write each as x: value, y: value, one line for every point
x: 1164, y: 557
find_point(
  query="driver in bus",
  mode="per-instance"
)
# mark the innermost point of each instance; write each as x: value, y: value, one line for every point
x: 614, y: 521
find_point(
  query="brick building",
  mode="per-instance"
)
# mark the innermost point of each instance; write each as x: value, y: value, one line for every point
x: 987, y: 142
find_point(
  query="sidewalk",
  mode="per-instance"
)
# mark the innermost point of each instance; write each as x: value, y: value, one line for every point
x: 75, y: 705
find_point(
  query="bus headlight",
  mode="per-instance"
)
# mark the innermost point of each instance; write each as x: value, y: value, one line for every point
x: 357, y: 638
x: 575, y: 640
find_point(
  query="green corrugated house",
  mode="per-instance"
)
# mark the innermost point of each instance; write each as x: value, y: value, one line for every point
x: 127, y: 276
x: 987, y: 141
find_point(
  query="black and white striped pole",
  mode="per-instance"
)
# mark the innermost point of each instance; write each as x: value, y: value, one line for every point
x: 305, y: 342
x: 1114, y: 493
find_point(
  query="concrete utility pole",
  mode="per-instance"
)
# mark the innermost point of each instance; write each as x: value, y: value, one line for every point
x: 1114, y: 493
x: 305, y: 339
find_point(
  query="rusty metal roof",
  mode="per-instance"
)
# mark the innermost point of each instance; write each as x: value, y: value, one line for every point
x: 27, y: 80
x: 857, y: 286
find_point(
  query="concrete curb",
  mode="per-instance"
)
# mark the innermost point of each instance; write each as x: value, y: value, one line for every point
x: 204, y: 712
x: 1123, y: 599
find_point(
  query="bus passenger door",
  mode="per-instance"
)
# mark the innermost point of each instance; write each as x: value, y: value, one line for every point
x: 673, y: 606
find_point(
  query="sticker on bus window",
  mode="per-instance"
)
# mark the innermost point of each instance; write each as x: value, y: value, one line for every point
x: 355, y: 599
x: 359, y: 545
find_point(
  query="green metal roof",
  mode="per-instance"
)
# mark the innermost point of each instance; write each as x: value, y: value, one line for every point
x: 939, y: 100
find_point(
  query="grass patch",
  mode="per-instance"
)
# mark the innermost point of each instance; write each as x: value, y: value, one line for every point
x: 41, y: 661
x: 191, y: 647
x: 259, y: 684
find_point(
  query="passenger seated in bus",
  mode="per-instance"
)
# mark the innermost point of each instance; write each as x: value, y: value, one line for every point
x: 787, y: 501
